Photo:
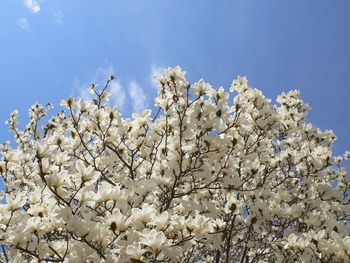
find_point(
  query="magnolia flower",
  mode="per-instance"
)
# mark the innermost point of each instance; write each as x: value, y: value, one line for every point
x: 296, y: 242
x: 14, y: 204
x: 347, y: 155
x: 154, y: 239
x: 11, y: 156
x: 140, y: 217
x: 160, y: 221
x: 33, y: 224
x: 135, y: 251
x: 43, y: 150
x: 315, y: 237
x: 86, y: 173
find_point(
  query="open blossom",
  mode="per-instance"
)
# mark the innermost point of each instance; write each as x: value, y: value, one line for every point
x: 135, y: 251
x: 347, y: 155
x: 154, y: 239
x: 160, y: 221
x: 296, y: 242
x: 14, y: 204
x: 217, y: 175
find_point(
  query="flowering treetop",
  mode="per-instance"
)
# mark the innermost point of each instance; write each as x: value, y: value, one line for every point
x: 210, y: 178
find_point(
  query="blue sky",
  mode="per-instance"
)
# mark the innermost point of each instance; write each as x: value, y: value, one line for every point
x: 50, y: 49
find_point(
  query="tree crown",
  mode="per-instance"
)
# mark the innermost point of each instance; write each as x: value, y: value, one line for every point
x: 210, y: 178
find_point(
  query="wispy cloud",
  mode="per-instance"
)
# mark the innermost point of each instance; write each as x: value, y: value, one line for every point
x: 138, y: 96
x: 117, y: 94
x: 58, y: 15
x: 156, y: 71
x: 100, y: 76
x: 32, y: 5
x: 24, y: 24
x: 121, y: 95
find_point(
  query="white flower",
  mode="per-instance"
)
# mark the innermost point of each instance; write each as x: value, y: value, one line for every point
x: 154, y: 239
x: 296, y: 242
x: 140, y: 217
x: 14, y: 204
x: 135, y: 251
x: 160, y: 221
x: 347, y: 155
x: 86, y: 173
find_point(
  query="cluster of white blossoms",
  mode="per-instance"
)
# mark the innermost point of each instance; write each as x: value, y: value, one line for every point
x: 215, y: 176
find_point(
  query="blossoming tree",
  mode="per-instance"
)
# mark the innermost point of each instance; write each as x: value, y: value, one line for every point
x: 208, y: 179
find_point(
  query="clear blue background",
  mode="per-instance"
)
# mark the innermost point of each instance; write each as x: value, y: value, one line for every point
x: 279, y: 45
